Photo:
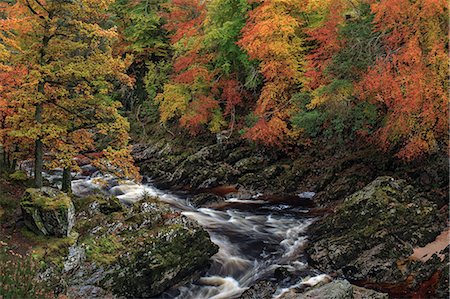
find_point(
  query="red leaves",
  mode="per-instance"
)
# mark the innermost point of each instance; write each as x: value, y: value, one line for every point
x: 231, y: 93
x: 272, y: 132
x: 410, y: 82
x: 328, y: 38
x: 198, y: 113
x: 185, y: 18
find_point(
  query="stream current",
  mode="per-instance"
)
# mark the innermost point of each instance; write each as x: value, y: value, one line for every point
x: 255, y: 236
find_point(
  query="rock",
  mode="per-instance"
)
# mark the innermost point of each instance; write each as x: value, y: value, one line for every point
x: 107, y: 204
x: 337, y: 289
x: 19, y: 176
x: 135, y: 253
x: 262, y: 289
x: 363, y: 293
x: 76, y: 256
x: 48, y: 211
x: 203, y: 199
x: 371, y: 235
x: 161, y: 261
x: 88, y: 291
x: 249, y: 164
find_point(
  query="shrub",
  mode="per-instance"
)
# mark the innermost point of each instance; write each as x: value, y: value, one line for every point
x: 18, y: 277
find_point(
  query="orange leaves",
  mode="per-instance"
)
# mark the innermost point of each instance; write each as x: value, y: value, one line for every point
x: 66, y: 54
x: 231, y: 93
x: 404, y: 18
x: 328, y: 38
x: 186, y: 18
x: 272, y: 132
x: 198, y: 113
x: 410, y: 82
x: 271, y: 36
x: 119, y: 162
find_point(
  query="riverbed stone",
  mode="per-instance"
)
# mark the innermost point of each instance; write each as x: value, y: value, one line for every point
x: 263, y: 289
x: 371, y: 235
x: 204, y: 199
x: 337, y: 289
x: 135, y: 252
x: 48, y: 211
x: 363, y: 293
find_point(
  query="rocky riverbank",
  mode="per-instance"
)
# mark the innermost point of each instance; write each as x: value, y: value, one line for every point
x: 372, y: 238
x: 113, y: 250
x: 206, y: 167
x: 380, y: 211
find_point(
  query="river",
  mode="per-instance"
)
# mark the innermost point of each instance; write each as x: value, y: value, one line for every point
x: 255, y: 236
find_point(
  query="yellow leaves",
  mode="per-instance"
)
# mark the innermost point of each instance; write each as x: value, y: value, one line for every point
x: 217, y: 121
x: 119, y: 162
x: 334, y: 94
x: 173, y: 101
x: 71, y: 72
x: 271, y: 36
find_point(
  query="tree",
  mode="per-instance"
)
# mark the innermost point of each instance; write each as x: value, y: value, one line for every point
x: 343, y: 45
x: 10, y: 79
x: 410, y: 82
x: 64, y: 103
x: 188, y: 96
x: 272, y: 36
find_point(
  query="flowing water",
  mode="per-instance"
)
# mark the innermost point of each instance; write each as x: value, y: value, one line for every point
x: 255, y: 236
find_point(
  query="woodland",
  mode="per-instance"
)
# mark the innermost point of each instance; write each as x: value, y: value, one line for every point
x: 313, y: 83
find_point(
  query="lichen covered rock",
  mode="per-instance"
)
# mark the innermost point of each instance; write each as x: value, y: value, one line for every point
x: 135, y: 252
x: 48, y: 211
x: 371, y: 235
x: 338, y: 289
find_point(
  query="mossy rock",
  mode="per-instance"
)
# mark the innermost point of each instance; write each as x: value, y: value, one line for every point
x: 374, y: 229
x: 150, y: 242
x: 159, y: 261
x: 48, y: 211
x: 19, y: 176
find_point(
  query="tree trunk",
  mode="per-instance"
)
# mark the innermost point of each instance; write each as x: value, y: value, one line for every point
x: 5, y: 160
x: 39, y: 151
x: 66, y: 181
x: 14, y: 159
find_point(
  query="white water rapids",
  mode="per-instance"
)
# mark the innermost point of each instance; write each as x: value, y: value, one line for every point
x: 254, y: 236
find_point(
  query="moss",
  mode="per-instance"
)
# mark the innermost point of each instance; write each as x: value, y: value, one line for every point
x: 50, y: 250
x: 46, y: 200
x: 103, y: 250
x: 19, y: 175
x: 107, y: 204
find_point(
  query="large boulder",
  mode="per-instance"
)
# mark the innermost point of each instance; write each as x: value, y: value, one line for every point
x: 371, y: 236
x: 337, y: 289
x: 136, y: 252
x: 48, y: 211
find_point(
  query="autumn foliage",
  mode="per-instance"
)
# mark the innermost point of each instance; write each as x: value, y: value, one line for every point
x: 369, y: 69
x: 410, y: 81
x: 276, y: 72
x: 58, y: 80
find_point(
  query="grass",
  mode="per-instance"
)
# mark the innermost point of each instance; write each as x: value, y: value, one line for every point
x: 18, y: 277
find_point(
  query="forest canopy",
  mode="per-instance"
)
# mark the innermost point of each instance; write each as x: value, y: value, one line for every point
x: 281, y: 73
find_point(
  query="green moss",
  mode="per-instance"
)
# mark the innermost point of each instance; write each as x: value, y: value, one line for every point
x: 103, y: 250
x: 107, y: 204
x: 19, y: 175
x: 46, y: 201
x: 50, y: 250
